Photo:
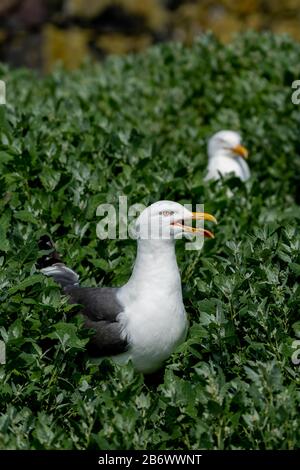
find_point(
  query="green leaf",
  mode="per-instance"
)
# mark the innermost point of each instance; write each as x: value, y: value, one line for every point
x: 26, y: 216
x: 67, y: 335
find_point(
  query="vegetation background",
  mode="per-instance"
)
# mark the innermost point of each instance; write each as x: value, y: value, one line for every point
x: 138, y: 126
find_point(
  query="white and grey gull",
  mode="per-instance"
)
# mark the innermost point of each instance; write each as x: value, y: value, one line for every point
x: 145, y: 319
x: 227, y: 155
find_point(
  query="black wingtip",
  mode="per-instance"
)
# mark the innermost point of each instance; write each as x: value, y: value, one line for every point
x: 51, y: 257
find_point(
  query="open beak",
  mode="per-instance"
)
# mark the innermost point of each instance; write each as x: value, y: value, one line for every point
x: 241, y: 151
x: 195, y: 230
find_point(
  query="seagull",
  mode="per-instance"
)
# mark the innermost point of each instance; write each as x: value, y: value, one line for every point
x: 145, y: 319
x: 227, y: 155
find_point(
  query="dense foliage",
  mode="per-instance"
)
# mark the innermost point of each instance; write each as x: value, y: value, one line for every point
x: 138, y: 126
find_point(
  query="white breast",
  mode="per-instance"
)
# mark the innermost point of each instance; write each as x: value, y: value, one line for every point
x: 154, y: 326
x: 154, y: 320
x: 224, y: 165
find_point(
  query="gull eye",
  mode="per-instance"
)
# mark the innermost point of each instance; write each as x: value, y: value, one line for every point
x: 166, y: 213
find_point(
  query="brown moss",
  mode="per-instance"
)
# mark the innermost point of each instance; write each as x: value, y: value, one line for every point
x: 69, y: 46
x: 290, y: 26
x: 115, y: 43
x: 85, y: 9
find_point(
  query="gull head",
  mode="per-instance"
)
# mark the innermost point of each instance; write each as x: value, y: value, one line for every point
x: 226, y: 143
x: 166, y: 220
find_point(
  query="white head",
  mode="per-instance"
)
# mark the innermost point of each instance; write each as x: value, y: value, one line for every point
x: 227, y: 143
x: 166, y: 220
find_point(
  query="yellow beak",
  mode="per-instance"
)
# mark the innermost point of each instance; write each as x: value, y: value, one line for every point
x: 204, y: 216
x: 199, y: 216
x: 241, y: 151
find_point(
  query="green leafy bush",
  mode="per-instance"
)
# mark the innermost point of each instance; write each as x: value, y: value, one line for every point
x: 138, y: 126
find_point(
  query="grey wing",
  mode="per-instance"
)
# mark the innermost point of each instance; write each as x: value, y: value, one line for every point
x: 100, y: 309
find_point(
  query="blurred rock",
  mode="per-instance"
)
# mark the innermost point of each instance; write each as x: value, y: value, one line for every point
x: 255, y: 21
x: 224, y: 26
x: 115, y: 43
x: 74, y: 29
x: 244, y: 7
x: 24, y: 50
x: 86, y: 9
x: 290, y: 27
x: 281, y: 6
x: 152, y: 10
x: 3, y: 35
x: 32, y: 12
x: 6, y: 5
x: 187, y: 22
x: 69, y: 46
